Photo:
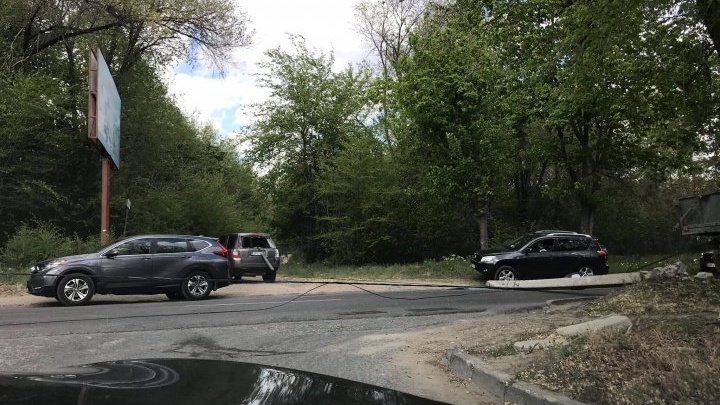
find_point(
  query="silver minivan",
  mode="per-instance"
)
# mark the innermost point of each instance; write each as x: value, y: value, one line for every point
x: 251, y: 254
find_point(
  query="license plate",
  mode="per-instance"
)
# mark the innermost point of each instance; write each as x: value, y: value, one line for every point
x: 711, y: 264
x: 255, y: 253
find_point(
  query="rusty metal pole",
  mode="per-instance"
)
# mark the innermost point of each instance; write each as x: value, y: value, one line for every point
x: 105, y: 201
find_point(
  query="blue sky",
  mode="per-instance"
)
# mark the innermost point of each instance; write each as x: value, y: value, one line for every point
x: 224, y: 101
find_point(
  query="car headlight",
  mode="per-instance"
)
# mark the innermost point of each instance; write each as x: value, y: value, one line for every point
x: 53, y: 264
x: 34, y: 269
x: 489, y: 259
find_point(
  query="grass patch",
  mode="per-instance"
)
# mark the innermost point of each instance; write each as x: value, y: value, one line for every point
x: 450, y: 268
x: 631, y: 263
x: 505, y: 350
x: 453, y: 267
x: 660, y: 297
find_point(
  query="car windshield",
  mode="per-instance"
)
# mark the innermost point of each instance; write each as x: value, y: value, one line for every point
x: 521, y: 241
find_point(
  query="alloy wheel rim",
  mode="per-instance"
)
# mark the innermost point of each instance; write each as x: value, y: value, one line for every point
x: 506, y: 275
x: 76, y: 289
x: 197, y: 285
x: 585, y: 272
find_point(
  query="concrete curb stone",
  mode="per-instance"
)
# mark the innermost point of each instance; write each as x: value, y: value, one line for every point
x: 502, y: 384
x: 616, y: 322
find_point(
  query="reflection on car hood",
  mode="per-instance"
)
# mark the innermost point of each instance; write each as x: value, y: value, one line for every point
x: 66, y: 258
x: 191, y: 381
x: 493, y: 251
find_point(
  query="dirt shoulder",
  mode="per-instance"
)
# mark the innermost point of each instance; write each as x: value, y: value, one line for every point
x: 15, y: 294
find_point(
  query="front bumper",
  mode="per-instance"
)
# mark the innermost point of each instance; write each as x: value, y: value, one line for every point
x: 486, y: 270
x: 40, y: 284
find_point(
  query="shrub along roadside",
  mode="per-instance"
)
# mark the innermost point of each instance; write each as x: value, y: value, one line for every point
x: 31, y: 244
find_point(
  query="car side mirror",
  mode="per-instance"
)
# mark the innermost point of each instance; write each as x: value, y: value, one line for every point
x: 526, y: 251
x: 111, y: 254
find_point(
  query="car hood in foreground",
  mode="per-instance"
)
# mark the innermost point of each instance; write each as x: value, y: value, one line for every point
x: 191, y: 381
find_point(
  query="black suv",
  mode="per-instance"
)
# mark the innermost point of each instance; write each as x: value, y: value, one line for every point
x: 543, y: 254
x: 252, y: 254
x: 179, y: 266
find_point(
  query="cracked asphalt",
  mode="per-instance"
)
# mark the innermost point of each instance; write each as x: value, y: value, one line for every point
x: 353, y: 335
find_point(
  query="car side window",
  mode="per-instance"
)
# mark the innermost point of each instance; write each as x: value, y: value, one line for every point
x: 133, y: 247
x: 171, y: 245
x: 198, y: 244
x: 572, y: 244
x: 543, y: 245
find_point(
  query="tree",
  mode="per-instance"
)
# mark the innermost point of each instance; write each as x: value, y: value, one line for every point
x: 311, y: 113
x: 448, y: 98
x: 621, y: 91
x: 386, y: 26
x: 131, y: 28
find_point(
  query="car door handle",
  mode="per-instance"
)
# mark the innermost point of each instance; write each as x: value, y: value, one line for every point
x: 146, y: 258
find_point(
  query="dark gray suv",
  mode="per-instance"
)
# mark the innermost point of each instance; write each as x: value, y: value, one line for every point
x: 183, y: 267
x: 252, y: 254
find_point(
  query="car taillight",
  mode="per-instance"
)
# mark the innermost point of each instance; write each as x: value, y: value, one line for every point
x: 222, y: 252
x: 235, y: 253
x: 602, y: 253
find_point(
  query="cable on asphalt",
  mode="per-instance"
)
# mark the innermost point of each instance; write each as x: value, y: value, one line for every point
x: 322, y: 284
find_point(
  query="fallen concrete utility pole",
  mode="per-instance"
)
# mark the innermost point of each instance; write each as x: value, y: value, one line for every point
x: 570, y: 282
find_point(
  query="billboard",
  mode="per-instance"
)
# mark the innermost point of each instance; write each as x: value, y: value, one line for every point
x: 104, y: 108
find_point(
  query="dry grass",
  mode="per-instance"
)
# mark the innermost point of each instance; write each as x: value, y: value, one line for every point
x: 661, y: 297
x: 669, y: 362
x: 671, y: 355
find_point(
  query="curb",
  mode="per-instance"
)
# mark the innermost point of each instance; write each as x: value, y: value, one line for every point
x: 501, y: 384
x: 561, y: 301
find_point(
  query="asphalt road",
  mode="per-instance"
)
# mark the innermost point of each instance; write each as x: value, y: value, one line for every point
x: 324, y: 333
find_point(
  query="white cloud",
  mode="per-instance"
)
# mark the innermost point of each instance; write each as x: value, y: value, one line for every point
x: 224, y: 101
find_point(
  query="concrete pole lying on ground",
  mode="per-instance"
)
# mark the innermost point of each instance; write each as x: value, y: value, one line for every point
x: 570, y: 282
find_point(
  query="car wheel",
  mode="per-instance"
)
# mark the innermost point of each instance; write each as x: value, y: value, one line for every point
x: 175, y: 295
x: 270, y: 277
x: 196, y: 286
x: 586, y: 271
x: 506, y: 273
x: 75, y: 289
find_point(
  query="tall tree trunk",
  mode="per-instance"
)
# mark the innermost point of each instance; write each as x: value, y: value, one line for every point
x: 587, y: 217
x: 709, y: 11
x: 481, y: 219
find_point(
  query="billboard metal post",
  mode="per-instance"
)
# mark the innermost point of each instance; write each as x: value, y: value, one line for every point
x: 105, y: 201
x: 103, y: 128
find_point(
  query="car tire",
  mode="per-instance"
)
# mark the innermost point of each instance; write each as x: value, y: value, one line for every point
x: 175, y: 295
x: 506, y: 273
x: 586, y: 270
x: 269, y: 277
x: 196, y: 285
x: 75, y: 290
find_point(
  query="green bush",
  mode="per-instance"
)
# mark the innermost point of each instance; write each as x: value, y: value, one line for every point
x: 30, y: 244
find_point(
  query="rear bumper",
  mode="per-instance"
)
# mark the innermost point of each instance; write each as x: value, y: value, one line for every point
x: 239, y: 269
x: 41, y: 285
